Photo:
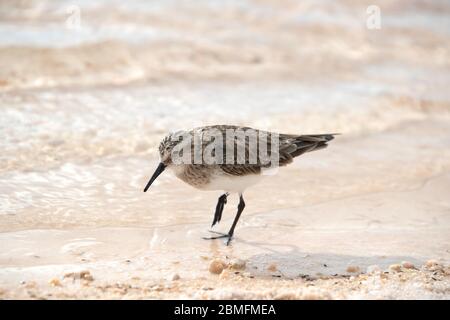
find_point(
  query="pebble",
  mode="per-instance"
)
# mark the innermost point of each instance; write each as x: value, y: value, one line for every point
x: 82, y: 275
x: 272, y: 267
x: 55, y: 282
x: 206, y: 288
x: 225, y: 274
x: 237, y: 264
x: 373, y: 269
x: 353, y: 269
x: 157, y: 288
x: 447, y: 271
x: 175, y: 277
x: 86, y: 275
x: 432, y: 264
x: 216, y: 266
x: 395, y: 267
x: 408, y: 265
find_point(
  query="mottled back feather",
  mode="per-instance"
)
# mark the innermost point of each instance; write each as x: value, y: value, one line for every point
x: 290, y: 146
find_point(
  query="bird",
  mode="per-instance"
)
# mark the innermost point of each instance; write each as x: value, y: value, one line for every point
x: 230, y: 159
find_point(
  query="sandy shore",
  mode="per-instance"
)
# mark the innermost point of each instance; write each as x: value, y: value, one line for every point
x: 339, y: 245
x: 80, y: 123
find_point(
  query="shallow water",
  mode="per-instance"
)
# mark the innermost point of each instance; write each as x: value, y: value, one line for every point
x: 67, y: 162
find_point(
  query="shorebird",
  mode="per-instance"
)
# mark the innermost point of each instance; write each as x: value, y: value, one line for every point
x: 235, y: 161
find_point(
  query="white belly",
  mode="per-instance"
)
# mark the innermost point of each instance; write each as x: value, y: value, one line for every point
x: 230, y: 183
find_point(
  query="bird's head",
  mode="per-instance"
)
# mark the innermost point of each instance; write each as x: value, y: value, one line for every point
x: 166, y: 147
x: 165, y: 154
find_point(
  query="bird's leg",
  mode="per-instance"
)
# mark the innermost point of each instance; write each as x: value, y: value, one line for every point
x: 219, y: 208
x: 230, y: 233
x: 241, y: 207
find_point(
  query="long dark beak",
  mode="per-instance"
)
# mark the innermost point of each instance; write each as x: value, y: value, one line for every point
x: 158, y: 171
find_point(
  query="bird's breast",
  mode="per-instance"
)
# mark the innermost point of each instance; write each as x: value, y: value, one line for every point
x: 213, y: 178
x: 196, y: 176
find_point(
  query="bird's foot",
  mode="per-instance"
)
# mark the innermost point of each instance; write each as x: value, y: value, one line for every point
x: 220, y: 236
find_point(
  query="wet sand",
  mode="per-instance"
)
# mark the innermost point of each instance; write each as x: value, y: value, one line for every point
x: 299, y: 246
x: 366, y: 218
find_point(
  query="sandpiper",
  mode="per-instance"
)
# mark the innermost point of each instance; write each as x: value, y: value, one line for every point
x: 230, y: 158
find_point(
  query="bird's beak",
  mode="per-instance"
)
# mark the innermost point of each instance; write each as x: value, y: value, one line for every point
x: 158, y: 171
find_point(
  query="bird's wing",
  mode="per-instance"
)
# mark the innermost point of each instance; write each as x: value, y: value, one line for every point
x: 248, y: 158
x: 289, y: 147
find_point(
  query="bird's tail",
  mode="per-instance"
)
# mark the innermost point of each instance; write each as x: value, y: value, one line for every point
x: 295, y: 146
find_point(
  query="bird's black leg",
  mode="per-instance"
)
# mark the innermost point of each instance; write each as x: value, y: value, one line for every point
x: 230, y: 233
x: 241, y: 207
x: 219, y: 209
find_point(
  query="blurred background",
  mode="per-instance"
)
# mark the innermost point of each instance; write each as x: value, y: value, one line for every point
x: 83, y: 81
x: 89, y: 88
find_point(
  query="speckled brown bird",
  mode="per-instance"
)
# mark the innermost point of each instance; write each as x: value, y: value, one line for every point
x: 230, y: 160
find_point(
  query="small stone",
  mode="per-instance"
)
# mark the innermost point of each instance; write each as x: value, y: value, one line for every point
x: 82, y: 275
x: 363, y: 277
x: 383, y: 276
x: 206, y: 288
x: 432, y: 264
x: 158, y: 288
x: 319, y: 274
x: 55, y: 282
x: 86, y: 275
x: 175, y: 277
x: 408, y: 265
x: 395, y: 267
x: 353, y: 269
x: 373, y: 269
x: 447, y: 271
x: 237, y: 264
x: 216, y: 266
x: 272, y: 267
x: 69, y: 275
x: 225, y: 274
